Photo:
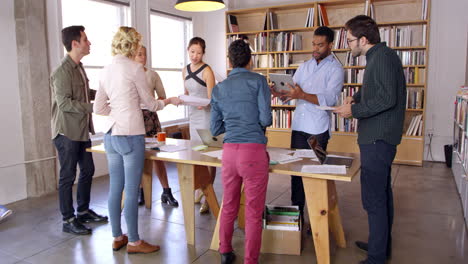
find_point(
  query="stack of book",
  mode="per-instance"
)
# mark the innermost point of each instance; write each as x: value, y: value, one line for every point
x: 281, y: 118
x: 282, y: 218
x: 414, y: 98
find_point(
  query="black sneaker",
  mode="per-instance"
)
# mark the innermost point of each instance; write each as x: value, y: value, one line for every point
x: 365, y: 247
x: 75, y: 227
x: 91, y: 217
x: 228, y: 258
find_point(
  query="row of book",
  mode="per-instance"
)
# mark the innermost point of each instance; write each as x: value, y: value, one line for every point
x: 281, y: 60
x: 277, y: 101
x: 414, y: 98
x: 340, y: 124
x: 354, y: 75
x: 416, y: 126
x: 285, y: 41
x: 414, y: 75
x: 412, y: 57
x: 339, y: 41
x: 282, y: 118
x: 403, y: 36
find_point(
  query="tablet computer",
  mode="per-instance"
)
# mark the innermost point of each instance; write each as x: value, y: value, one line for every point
x: 280, y: 81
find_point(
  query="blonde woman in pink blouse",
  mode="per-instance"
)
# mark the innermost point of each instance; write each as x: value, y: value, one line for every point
x: 122, y: 88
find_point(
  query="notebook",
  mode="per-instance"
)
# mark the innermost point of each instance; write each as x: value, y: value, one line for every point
x: 324, y: 158
x: 210, y: 140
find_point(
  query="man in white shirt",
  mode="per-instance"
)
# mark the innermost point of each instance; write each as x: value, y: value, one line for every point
x: 318, y: 82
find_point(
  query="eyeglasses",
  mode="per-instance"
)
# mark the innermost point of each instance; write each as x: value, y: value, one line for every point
x: 351, y: 40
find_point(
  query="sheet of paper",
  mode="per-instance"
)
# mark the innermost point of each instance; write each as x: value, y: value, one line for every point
x: 151, y: 145
x: 274, y: 151
x: 328, y: 169
x: 171, y: 148
x: 304, y: 153
x: 150, y: 140
x: 325, y: 107
x: 194, y: 101
x: 282, y: 158
x: 214, y: 154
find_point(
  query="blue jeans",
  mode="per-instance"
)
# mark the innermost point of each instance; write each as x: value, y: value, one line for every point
x: 125, y: 156
x: 377, y: 196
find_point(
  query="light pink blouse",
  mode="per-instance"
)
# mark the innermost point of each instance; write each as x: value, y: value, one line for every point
x: 122, y: 88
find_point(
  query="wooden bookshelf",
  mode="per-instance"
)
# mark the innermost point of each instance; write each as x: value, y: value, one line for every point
x: 392, y: 15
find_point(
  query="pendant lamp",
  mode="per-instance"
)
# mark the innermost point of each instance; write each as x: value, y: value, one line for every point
x: 199, y: 5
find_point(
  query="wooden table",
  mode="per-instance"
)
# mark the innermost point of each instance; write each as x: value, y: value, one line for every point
x: 320, y: 193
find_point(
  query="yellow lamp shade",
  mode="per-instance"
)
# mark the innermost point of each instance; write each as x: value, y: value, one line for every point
x: 199, y: 5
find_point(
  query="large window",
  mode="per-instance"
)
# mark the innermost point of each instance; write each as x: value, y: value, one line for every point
x: 101, y: 20
x: 169, y: 38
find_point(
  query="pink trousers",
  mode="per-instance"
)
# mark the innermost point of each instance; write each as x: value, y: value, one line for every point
x: 245, y: 163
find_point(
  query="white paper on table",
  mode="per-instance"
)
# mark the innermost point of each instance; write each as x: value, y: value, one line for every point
x: 282, y: 158
x: 214, y: 154
x: 171, y: 148
x: 151, y: 140
x: 274, y: 151
x: 304, y: 153
x: 329, y: 169
x: 151, y: 145
x: 325, y: 107
x: 194, y: 101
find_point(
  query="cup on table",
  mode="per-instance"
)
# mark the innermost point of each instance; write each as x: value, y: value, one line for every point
x: 161, y: 138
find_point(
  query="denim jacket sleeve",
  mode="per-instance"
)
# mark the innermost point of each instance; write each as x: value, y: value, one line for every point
x: 264, y: 103
x: 217, y: 120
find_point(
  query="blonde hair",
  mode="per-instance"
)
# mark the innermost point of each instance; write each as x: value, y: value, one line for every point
x: 126, y: 42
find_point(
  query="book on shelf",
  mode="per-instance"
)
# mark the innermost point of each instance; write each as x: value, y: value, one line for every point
x: 282, y: 118
x: 273, y: 21
x: 232, y: 23
x: 424, y: 10
x: 285, y: 41
x: 414, y: 98
x: 415, y: 127
x: 278, y: 101
x: 340, y: 39
x: 323, y: 17
x: 354, y: 75
x: 310, y: 17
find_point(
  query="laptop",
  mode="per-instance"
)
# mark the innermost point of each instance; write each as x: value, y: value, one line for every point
x: 210, y: 140
x: 323, y: 156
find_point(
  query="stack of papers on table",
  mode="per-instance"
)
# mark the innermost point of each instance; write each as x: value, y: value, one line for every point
x: 171, y: 148
x: 326, y: 169
x: 305, y: 153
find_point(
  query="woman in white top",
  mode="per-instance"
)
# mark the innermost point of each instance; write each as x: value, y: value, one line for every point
x: 122, y: 88
x: 152, y: 127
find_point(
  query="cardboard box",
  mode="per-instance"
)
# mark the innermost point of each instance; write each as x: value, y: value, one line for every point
x: 281, y: 242
x: 275, y: 241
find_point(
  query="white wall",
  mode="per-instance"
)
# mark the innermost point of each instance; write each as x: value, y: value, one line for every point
x: 447, y: 63
x: 447, y: 67
x: 12, y: 177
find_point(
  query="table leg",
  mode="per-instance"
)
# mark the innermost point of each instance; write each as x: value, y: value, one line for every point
x: 316, y: 192
x: 335, y: 219
x: 147, y: 183
x: 215, y: 239
x: 186, y: 182
x: 210, y: 196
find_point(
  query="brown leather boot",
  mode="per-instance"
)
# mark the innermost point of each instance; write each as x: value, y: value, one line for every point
x: 143, y: 247
x: 116, y: 245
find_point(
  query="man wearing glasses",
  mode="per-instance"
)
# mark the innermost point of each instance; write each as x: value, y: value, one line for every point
x: 318, y: 82
x: 380, y: 108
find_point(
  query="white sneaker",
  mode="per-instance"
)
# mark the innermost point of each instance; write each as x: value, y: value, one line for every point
x: 4, y: 212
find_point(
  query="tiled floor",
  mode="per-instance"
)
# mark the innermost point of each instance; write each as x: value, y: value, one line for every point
x: 429, y: 226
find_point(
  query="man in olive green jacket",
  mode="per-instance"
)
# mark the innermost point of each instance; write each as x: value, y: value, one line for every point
x: 71, y: 125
